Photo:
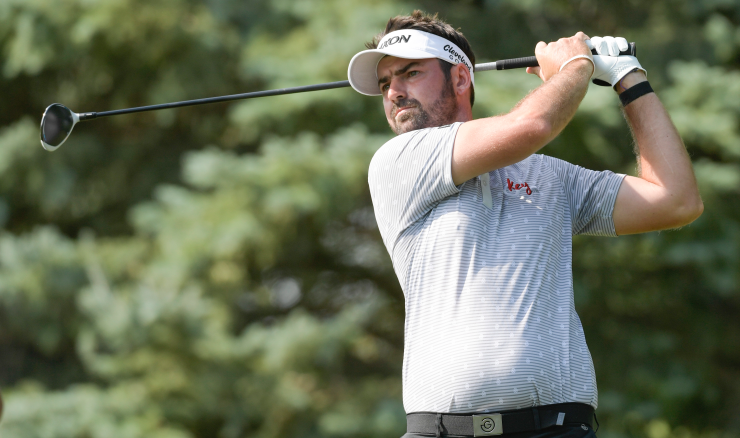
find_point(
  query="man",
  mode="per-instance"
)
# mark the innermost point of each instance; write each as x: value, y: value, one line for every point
x: 479, y: 227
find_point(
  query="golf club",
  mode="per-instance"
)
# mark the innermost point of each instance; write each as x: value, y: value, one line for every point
x: 58, y: 120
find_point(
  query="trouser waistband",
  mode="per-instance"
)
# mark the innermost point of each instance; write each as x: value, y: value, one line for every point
x: 498, y: 423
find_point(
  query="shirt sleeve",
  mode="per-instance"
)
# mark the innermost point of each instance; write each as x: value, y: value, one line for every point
x: 591, y: 196
x: 408, y: 176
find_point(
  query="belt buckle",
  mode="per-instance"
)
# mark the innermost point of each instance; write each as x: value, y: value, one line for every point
x: 487, y: 425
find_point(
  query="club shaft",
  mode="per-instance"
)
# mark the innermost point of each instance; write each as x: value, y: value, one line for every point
x: 504, y: 64
x: 266, y: 93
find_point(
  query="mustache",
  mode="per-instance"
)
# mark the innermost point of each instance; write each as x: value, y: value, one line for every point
x: 404, y: 103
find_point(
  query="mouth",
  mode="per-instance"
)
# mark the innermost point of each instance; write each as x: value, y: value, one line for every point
x: 402, y: 110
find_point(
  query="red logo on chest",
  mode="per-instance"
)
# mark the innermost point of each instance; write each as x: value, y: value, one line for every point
x: 513, y: 186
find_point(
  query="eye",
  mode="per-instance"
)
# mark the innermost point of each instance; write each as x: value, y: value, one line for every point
x: 385, y: 87
x: 413, y: 73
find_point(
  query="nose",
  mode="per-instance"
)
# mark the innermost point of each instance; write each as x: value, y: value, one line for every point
x: 396, y: 91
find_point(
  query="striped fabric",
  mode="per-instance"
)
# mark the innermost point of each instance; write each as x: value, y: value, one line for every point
x: 490, y: 319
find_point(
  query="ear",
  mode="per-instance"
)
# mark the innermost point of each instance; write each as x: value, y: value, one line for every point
x: 461, y: 79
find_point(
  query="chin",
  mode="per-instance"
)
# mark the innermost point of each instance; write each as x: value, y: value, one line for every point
x: 402, y: 128
x: 407, y: 122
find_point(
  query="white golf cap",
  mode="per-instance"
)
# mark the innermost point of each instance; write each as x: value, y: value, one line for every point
x: 408, y: 44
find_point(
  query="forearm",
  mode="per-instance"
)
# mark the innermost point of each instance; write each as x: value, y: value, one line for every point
x: 671, y: 198
x: 662, y: 157
x: 555, y: 102
x: 495, y: 142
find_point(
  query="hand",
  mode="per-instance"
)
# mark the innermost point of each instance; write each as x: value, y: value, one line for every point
x: 551, y: 57
x: 608, y: 46
x: 610, y: 67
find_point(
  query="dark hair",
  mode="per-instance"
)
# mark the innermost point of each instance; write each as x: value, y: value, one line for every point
x: 418, y: 20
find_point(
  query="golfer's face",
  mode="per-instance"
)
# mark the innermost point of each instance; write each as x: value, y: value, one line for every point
x: 409, y: 86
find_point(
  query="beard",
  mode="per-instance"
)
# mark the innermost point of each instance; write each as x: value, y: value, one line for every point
x: 441, y: 112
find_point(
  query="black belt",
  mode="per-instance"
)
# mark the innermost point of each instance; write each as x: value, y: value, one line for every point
x: 505, y: 422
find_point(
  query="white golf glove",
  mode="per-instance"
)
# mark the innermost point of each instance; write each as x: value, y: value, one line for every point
x: 609, y: 67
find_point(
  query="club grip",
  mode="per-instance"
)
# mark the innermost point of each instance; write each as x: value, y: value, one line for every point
x: 531, y: 61
x: 527, y: 61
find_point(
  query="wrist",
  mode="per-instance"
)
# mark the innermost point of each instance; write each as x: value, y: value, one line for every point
x: 629, y: 80
x: 580, y: 66
x: 579, y: 63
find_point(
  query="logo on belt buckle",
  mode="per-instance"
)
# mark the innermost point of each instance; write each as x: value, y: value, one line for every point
x: 487, y: 425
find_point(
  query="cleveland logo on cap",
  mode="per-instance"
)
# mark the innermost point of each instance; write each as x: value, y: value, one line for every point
x: 456, y: 56
x: 394, y: 40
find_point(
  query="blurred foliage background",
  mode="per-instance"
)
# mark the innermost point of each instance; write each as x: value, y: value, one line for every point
x: 216, y: 271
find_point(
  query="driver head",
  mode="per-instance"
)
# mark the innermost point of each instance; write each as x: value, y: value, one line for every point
x: 56, y: 125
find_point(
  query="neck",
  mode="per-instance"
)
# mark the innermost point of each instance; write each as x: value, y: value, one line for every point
x: 464, y: 113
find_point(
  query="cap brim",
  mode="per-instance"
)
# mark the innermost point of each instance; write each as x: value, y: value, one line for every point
x: 363, y: 68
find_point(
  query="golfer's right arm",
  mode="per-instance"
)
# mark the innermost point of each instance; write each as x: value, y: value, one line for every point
x: 487, y: 144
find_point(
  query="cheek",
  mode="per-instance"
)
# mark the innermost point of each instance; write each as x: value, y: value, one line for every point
x: 387, y: 106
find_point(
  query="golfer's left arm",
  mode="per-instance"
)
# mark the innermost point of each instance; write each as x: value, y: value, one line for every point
x: 665, y: 194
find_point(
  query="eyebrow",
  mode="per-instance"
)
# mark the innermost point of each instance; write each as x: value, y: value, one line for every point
x: 400, y: 71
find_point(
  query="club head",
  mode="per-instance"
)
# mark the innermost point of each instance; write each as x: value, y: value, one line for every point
x: 56, y: 125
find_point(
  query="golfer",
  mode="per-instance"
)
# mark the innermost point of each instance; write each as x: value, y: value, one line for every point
x: 479, y: 226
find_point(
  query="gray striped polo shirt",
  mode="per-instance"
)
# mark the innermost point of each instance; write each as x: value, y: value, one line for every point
x: 485, y: 269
